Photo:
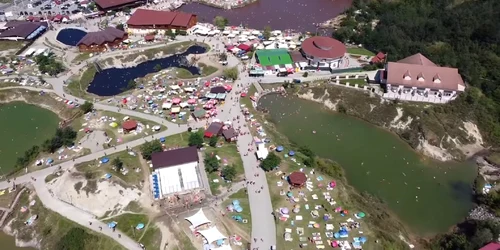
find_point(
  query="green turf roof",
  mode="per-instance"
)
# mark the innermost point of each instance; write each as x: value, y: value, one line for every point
x: 270, y: 57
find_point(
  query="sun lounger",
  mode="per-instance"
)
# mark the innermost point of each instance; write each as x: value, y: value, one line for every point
x: 305, y: 199
x: 310, y: 189
x: 288, y: 230
x: 298, y: 217
x: 318, y: 242
x: 320, y: 246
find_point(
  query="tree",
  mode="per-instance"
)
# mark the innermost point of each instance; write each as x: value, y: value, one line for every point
x: 267, y: 32
x: 271, y: 162
x: 120, y: 27
x: 223, y: 57
x: 213, y: 141
x: 306, y: 74
x: 228, y: 172
x: 130, y: 85
x: 231, y: 73
x: 171, y: 34
x: 87, y: 107
x: 148, y: 148
x: 118, y: 164
x: 195, y: 139
x: 211, y: 162
x: 48, y: 64
x: 63, y: 137
x: 157, y: 67
x: 221, y: 22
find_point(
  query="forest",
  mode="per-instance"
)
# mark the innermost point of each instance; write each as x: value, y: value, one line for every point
x: 453, y: 33
x: 456, y: 33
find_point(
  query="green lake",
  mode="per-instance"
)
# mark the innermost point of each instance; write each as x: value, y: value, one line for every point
x: 427, y: 195
x: 22, y: 126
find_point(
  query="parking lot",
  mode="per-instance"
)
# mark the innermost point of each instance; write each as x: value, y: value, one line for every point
x: 25, y: 8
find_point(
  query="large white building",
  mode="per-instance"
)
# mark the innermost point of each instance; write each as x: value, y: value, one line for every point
x: 175, y: 171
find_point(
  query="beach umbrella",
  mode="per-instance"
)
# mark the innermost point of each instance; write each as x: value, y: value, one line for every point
x: 105, y: 160
x: 236, y: 202
x: 362, y: 239
x: 176, y: 100
x: 336, y: 235
x: 192, y: 101
x: 289, y: 194
x: 361, y: 215
x: 333, y: 184
x: 139, y: 226
x: 243, y: 94
x: 284, y: 210
x: 279, y: 148
x: 162, y: 139
x: 291, y: 153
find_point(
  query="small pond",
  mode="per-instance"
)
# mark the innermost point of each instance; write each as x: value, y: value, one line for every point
x: 113, y: 81
x: 70, y: 36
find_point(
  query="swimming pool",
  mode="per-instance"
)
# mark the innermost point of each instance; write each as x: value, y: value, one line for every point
x: 70, y: 36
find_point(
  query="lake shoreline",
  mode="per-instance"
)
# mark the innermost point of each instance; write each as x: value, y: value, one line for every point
x: 461, y: 152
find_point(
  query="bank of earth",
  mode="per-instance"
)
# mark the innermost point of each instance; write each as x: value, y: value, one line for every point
x: 377, y: 162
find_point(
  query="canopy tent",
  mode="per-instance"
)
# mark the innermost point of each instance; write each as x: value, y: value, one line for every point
x: 223, y: 247
x: 212, y: 234
x: 256, y: 32
x: 198, y: 219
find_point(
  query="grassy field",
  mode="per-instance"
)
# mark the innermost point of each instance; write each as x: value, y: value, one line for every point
x: 150, y: 235
x: 96, y: 170
x: 52, y: 230
x: 242, y: 197
x: 230, y: 156
x: 78, y: 86
x: 8, y: 45
x: 81, y: 57
x: 360, y: 51
x: 206, y: 70
x: 353, y: 82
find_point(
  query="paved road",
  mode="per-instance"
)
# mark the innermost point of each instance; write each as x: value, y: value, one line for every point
x: 263, y: 225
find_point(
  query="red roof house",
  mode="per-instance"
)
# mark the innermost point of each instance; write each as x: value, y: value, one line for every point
x: 129, y: 125
x: 380, y: 57
x: 157, y: 19
x: 322, y: 47
x: 244, y: 47
x: 491, y: 246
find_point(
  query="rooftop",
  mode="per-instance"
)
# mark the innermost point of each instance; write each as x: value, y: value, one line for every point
x: 268, y: 57
x: 323, y: 47
x: 109, y: 34
x: 21, y: 28
x: 418, y: 71
x: 105, y: 4
x: 151, y: 17
x: 174, y: 157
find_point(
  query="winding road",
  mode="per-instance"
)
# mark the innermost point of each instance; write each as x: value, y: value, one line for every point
x: 263, y: 224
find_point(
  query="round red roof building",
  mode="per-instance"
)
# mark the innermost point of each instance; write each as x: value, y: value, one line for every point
x: 321, y: 47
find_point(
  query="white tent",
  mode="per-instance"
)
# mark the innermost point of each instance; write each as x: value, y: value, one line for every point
x: 243, y: 38
x: 288, y: 38
x: 216, y: 31
x: 283, y: 46
x: 252, y: 37
x: 272, y: 38
x: 223, y: 247
x: 256, y: 32
x: 236, y: 32
x: 211, y: 33
x: 267, y: 42
x: 260, y: 46
x: 226, y: 32
x: 276, y: 32
x: 246, y: 33
x: 291, y: 43
x: 231, y: 35
x: 292, y: 46
x: 198, y: 219
x: 166, y: 105
x: 212, y: 234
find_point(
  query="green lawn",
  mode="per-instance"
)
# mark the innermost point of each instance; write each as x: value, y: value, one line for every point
x: 81, y: 57
x: 229, y: 154
x: 360, y: 51
x: 150, y: 235
x: 95, y: 170
x: 78, y: 86
x: 51, y: 229
x: 8, y: 45
x: 242, y: 197
x: 206, y: 70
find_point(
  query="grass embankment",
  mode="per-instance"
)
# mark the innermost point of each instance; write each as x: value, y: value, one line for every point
x: 150, y: 235
x: 161, y: 51
x: 429, y: 122
x: 81, y: 57
x: 205, y: 70
x: 10, y: 45
x: 360, y: 51
x: 78, y: 87
x: 94, y: 171
x: 52, y: 231
x: 352, y: 82
x: 379, y: 224
x: 245, y: 214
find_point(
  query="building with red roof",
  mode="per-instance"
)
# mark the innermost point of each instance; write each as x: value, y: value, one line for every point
x: 416, y: 78
x: 320, y: 50
x: 491, y: 246
x: 129, y: 125
x: 379, y: 58
x: 117, y: 4
x: 102, y: 40
x: 144, y: 20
